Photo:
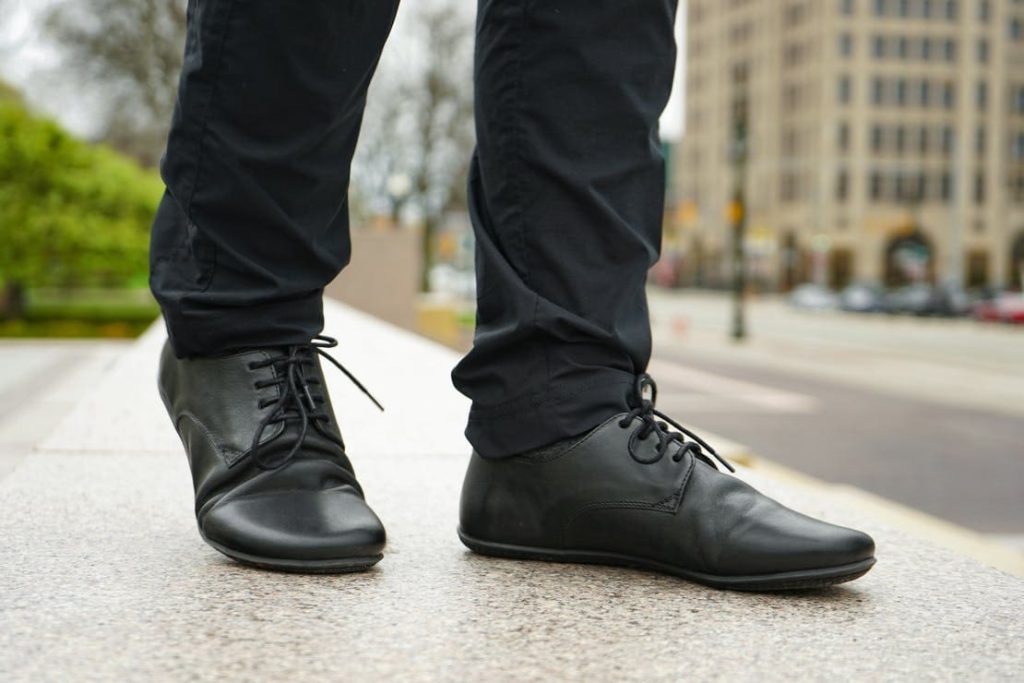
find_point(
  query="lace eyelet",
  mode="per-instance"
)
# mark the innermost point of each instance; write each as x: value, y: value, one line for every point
x: 624, y: 425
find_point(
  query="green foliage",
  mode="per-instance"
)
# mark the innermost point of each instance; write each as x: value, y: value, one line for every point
x: 92, y: 305
x: 71, y: 214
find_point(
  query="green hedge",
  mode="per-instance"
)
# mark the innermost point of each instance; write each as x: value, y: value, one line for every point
x: 71, y: 214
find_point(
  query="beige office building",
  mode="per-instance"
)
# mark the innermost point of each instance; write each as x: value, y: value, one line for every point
x: 886, y: 141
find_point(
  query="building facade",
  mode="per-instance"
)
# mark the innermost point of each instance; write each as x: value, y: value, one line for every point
x: 884, y: 139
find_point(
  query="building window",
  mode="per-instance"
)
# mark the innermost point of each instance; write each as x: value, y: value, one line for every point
x: 922, y: 140
x: 984, y: 10
x: 790, y: 143
x: 794, y: 14
x: 948, y: 95
x: 979, y: 188
x: 846, y: 45
x: 876, y: 186
x: 946, y: 186
x: 876, y: 138
x: 982, y: 51
x: 877, y: 91
x: 921, y: 186
x: 947, y: 140
x: 845, y: 90
x: 842, y: 185
x: 1018, y: 147
x: 901, y: 92
x: 846, y: 7
x: 790, y: 187
x: 901, y: 139
x: 924, y: 93
x: 1018, y: 100
x: 843, y: 136
x: 951, y: 9
x: 979, y: 140
x: 981, y: 95
x: 878, y: 47
x: 902, y: 47
x: 949, y: 50
x: 1016, y: 29
x: 880, y: 7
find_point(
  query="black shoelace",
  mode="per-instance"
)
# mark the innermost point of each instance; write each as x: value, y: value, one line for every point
x: 646, y: 411
x: 300, y: 397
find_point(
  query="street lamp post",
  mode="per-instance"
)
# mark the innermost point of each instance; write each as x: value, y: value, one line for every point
x: 738, y: 206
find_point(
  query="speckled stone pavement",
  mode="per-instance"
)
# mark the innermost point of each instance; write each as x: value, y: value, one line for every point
x: 103, y: 576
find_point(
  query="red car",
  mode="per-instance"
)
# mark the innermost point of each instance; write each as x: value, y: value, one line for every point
x: 1005, y: 308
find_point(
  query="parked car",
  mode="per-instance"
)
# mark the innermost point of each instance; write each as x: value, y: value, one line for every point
x: 921, y: 299
x: 861, y: 298
x: 912, y: 299
x: 813, y: 297
x: 1004, y: 308
x: 948, y: 300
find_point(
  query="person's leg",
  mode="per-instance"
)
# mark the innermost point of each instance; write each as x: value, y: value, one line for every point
x: 253, y: 225
x: 572, y: 461
x: 567, y: 191
x: 254, y: 222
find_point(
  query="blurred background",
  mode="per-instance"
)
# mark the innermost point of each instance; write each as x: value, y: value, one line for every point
x: 840, y: 281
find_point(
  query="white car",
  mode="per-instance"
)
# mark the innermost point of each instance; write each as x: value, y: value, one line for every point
x: 813, y: 297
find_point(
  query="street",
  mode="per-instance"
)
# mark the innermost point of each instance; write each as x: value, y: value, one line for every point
x: 929, y: 413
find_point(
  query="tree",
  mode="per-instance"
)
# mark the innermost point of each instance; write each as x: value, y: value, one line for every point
x: 130, y: 51
x: 418, y: 131
x: 71, y: 214
x: 419, y: 123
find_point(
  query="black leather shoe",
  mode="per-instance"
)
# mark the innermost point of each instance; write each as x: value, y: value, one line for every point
x: 633, y: 493
x: 273, y: 485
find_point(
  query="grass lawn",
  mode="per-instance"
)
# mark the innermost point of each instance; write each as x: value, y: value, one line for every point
x: 107, y: 313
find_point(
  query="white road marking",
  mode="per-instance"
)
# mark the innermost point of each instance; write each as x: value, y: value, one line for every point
x: 757, y: 396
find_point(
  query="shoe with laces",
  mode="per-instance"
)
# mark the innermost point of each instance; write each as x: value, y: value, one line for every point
x: 633, y: 492
x: 273, y: 485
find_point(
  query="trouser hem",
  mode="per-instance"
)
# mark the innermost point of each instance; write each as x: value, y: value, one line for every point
x: 563, y: 411
x: 205, y: 332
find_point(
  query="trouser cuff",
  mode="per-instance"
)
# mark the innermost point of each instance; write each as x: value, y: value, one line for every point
x: 566, y: 410
x: 198, y: 331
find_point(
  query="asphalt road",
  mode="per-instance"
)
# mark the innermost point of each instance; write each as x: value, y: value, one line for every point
x: 961, y: 464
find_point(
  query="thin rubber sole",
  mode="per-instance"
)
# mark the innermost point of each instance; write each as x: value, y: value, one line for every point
x: 783, y: 581
x: 345, y: 565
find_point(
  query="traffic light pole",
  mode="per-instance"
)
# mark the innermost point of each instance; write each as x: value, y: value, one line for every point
x: 738, y: 212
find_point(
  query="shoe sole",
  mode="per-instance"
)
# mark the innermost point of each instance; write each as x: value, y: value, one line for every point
x: 782, y: 581
x: 344, y: 565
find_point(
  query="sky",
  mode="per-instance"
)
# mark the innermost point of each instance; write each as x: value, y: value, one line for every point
x: 25, y: 60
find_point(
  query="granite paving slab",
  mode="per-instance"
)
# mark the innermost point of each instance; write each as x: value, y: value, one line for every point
x: 105, y: 578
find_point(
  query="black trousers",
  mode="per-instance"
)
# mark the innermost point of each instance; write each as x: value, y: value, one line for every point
x: 566, y: 192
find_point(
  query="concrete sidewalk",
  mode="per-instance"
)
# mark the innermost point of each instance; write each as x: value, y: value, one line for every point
x: 105, y: 577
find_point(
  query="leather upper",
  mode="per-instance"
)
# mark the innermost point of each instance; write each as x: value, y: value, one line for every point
x: 596, y: 496
x: 311, y: 507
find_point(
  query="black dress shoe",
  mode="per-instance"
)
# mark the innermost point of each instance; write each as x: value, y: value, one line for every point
x: 273, y: 485
x: 633, y: 493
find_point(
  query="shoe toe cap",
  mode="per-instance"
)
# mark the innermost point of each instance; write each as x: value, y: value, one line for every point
x: 801, y: 544
x: 331, y: 524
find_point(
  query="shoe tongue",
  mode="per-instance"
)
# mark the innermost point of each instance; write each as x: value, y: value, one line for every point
x: 315, y: 446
